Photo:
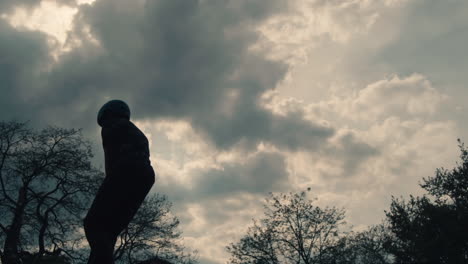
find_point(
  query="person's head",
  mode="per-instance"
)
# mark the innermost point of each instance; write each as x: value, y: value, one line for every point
x: 113, y: 110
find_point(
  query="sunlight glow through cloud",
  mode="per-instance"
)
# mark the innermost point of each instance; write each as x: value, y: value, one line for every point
x: 50, y: 18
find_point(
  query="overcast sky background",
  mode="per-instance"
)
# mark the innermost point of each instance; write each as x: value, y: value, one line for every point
x: 356, y: 99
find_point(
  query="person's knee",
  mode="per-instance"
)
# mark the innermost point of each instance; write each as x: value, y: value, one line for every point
x: 95, y: 234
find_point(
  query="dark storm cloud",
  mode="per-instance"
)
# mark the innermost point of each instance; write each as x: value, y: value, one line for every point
x: 432, y: 42
x: 174, y: 59
x: 260, y: 174
x: 22, y: 55
x: 352, y: 152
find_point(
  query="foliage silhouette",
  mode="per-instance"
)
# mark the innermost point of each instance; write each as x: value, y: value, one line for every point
x: 426, y: 230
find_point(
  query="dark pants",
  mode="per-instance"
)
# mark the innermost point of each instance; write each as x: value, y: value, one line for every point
x: 102, y: 245
x: 114, y: 206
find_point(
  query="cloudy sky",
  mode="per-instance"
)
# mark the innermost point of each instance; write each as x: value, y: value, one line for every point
x: 356, y: 99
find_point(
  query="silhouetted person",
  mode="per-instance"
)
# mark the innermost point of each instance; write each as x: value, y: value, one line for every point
x: 129, y: 178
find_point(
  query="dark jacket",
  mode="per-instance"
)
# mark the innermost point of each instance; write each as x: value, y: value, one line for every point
x: 125, y: 148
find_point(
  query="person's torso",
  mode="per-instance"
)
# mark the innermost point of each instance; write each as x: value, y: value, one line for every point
x: 125, y: 148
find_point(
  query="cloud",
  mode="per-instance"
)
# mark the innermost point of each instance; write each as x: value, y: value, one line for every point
x: 53, y: 18
x: 409, y: 97
x: 9, y: 6
x: 261, y: 173
x: 413, y: 95
x: 198, y: 67
x: 215, y: 192
x: 199, y: 180
x: 225, y: 218
x: 23, y: 55
x: 431, y: 39
x: 388, y: 135
x: 350, y: 151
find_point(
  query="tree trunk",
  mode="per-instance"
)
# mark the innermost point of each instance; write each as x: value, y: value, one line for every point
x: 41, y: 236
x: 10, y: 249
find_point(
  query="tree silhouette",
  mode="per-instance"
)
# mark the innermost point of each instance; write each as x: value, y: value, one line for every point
x: 367, y: 246
x: 152, y: 234
x: 46, y: 182
x: 294, y: 230
x: 426, y: 230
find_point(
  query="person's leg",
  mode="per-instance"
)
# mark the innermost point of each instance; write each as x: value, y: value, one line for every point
x: 101, y: 243
x: 103, y: 251
x: 112, y: 210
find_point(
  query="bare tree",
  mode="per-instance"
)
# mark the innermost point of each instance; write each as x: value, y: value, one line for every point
x: 294, y: 230
x: 152, y: 233
x: 46, y: 181
x: 258, y: 246
x: 367, y: 246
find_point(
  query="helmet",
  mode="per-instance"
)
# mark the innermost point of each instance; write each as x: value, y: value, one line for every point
x: 113, y: 109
